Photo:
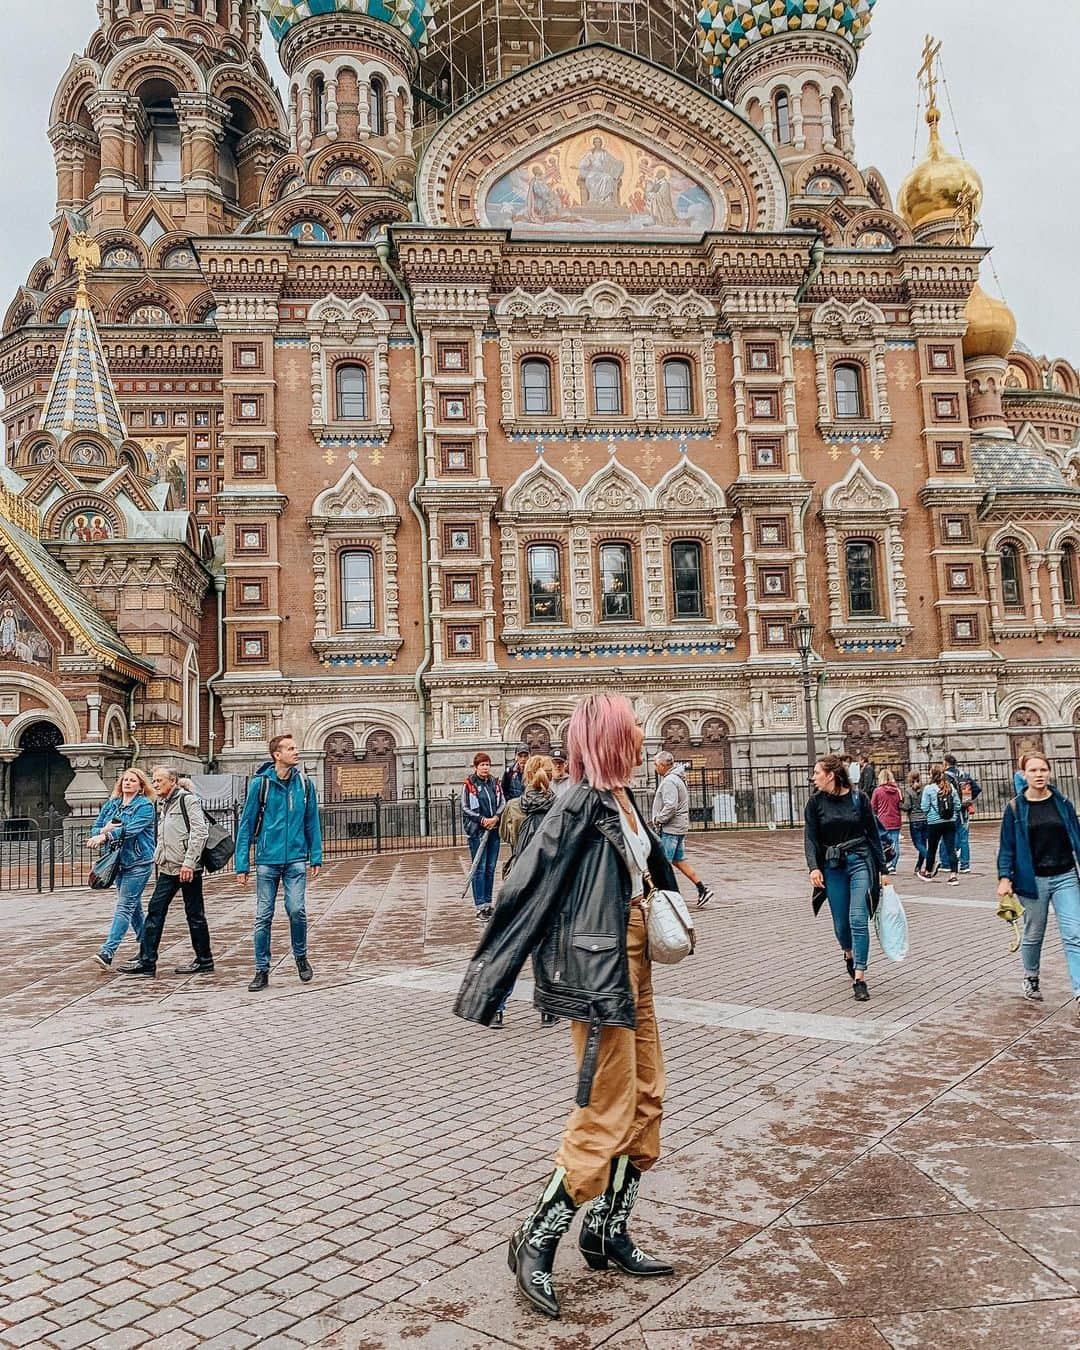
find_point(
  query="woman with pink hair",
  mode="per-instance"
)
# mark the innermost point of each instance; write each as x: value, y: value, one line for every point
x: 575, y: 902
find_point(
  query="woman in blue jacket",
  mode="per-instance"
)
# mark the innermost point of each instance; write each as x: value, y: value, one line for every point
x: 942, y: 804
x: 1037, y: 861
x: 128, y: 815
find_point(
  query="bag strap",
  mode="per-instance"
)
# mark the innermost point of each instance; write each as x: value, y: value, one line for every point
x: 264, y: 793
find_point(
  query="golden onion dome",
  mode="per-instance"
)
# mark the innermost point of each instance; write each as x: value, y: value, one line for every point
x: 991, y: 329
x: 935, y: 189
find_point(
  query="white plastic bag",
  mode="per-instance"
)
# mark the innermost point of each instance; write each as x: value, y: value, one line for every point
x: 890, y: 924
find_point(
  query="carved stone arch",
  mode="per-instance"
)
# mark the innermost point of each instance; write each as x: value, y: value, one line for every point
x: 1012, y: 533
x: 56, y: 302
x: 62, y: 516
x: 877, y: 189
x: 375, y: 218
x: 114, y: 729
x: 1063, y: 378
x: 298, y: 208
x: 834, y: 167
x: 878, y: 221
x: 22, y: 310
x: 596, y: 88
x: 860, y: 491
x: 835, y: 319
x: 130, y: 70
x: 144, y: 292
x: 687, y: 489
x: 328, y: 159
x: 286, y: 169
x: 200, y: 307
x: 520, y: 304
x: 1026, y: 723
x: 236, y: 84
x: 82, y: 79
x: 803, y: 218
x: 614, y: 490
x: 541, y: 490
x: 41, y: 274
x: 332, y: 311
x: 675, y: 737
x: 56, y: 710
x: 353, y: 497
x: 605, y: 300
x: 358, y: 721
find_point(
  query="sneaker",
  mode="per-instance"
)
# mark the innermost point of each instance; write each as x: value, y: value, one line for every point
x: 862, y: 994
x: 261, y: 980
x: 196, y: 967
x: 965, y: 869
x: 484, y: 913
x: 103, y: 959
x: 1030, y: 989
x: 704, y: 894
x: 303, y: 969
x: 954, y: 880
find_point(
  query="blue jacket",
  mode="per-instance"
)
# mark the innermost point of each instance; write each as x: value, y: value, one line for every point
x: 929, y: 805
x: 136, y: 829
x: 290, y: 830
x: 1014, y: 849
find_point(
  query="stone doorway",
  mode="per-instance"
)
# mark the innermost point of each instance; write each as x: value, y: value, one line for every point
x: 41, y: 774
x: 1025, y: 733
x: 886, y: 744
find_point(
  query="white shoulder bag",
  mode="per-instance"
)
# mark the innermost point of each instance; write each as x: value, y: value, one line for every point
x: 669, y: 925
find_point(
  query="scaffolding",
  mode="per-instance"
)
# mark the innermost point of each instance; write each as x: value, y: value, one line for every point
x: 477, y: 42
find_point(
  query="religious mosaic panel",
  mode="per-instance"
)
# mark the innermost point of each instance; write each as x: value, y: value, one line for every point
x: 20, y: 637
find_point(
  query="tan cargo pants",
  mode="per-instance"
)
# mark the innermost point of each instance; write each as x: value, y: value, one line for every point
x: 627, y: 1102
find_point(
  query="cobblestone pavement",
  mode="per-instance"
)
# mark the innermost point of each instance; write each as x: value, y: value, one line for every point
x: 339, y: 1164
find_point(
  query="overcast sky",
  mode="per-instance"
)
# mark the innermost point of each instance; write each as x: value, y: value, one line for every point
x: 1011, y: 73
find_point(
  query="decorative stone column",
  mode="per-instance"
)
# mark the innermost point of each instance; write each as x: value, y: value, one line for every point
x: 202, y: 126
x: 86, y: 791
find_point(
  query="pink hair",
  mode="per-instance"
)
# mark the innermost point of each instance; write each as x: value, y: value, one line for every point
x: 601, y: 745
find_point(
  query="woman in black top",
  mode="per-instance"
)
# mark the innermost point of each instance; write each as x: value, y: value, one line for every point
x: 1037, y: 860
x: 846, y: 860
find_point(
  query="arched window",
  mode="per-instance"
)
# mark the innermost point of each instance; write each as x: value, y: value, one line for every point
x: 687, y: 579
x: 191, y: 698
x: 836, y: 110
x: 535, y: 386
x: 228, y: 172
x: 782, y: 109
x: 162, y: 146
x: 861, y: 573
x: 847, y: 390
x: 1070, y: 589
x: 1012, y: 587
x: 678, y: 386
x: 356, y: 581
x: 545, y: 583
x: 318, y: 104
x: 352, y: 393
x: 378, y: 107
x: 616, y: 583
x: 607, y: 386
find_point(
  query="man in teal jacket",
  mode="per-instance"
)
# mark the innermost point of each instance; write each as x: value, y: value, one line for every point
x: 281, y: 819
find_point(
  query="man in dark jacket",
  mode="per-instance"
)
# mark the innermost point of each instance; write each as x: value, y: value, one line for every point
x: 513, y: 780
x: 281, y: 819
x: 969, y: 789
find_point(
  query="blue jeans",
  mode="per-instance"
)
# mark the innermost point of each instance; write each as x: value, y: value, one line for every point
x: 847, y: 885
x: 293, y: 876
x: 483, y: 882
x: 918, y: 830
x: 130, y: 884
x: 1063, y: 892
x: 894, y: 838
x: 962, y: 845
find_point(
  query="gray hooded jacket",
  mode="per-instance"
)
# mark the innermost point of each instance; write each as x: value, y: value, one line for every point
x: 671, y: 805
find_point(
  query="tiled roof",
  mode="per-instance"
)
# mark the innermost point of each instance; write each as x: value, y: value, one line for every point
x: 81, y: 396
x: 1005, y: 466
x: 57, y: 588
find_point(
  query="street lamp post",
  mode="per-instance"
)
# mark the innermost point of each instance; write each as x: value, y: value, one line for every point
x: 802, y: 630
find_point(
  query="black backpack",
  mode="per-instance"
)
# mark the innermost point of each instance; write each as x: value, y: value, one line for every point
x: 220, y: 845
x: 946, y: 803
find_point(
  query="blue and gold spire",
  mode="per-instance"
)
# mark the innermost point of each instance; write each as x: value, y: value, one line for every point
x: 81, y: 396
x: 730, y: 26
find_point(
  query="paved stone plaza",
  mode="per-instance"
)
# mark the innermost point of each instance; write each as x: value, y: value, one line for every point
x: 339, y: 1164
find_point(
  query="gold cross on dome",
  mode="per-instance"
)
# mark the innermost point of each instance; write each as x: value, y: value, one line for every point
x: 927, y: 73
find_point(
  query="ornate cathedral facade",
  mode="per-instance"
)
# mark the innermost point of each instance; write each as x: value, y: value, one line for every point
x: 501, y: 357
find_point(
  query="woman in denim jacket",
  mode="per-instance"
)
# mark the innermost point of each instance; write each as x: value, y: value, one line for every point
x: 128, y: 815
x: 1037, y: 861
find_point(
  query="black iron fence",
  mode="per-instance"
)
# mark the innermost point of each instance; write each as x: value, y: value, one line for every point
x: 50, y: 853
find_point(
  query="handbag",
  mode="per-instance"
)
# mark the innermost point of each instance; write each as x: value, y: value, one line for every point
x: 669, y: 925
x: 219, y: 846
x: 103, y: 872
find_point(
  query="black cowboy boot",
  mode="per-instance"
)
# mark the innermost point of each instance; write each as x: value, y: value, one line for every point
x: 603, y: 1234
x: 531, y: 1253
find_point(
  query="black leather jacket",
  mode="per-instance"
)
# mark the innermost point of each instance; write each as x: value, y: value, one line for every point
x: 567, y: 904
